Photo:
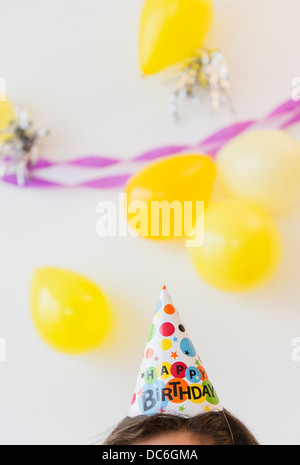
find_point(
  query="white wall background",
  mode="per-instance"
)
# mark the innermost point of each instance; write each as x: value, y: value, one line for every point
x: 73, y: 64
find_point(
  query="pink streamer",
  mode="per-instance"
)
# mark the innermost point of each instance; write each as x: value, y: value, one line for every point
x: 228, y: 133
x: 289, y: 111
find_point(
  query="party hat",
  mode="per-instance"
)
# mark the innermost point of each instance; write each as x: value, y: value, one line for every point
x: 172, y: 379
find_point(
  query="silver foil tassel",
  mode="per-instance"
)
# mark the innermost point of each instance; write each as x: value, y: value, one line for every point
x: 20, y: 151
x: 206, y: 74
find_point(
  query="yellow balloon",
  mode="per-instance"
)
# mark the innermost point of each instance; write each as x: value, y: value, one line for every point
x: 156, y: 195
x: 242, y: 246
x: 264, y: 167
x: 172, y: 30
x: 7, y: 114
x: 70, y: 312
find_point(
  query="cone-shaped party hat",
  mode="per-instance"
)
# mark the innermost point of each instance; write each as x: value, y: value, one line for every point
x: 172, y: 378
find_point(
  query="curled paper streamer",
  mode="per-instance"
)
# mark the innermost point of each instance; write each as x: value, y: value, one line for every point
x: 282, y: 117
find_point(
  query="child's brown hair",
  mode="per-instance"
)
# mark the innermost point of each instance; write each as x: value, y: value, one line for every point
x: 216, y: 428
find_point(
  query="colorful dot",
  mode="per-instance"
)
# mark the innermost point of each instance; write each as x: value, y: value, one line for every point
x: 169, y: 309
x: 197, y: 394
x: 149, y: 353
x: 167, y: 329
x: 151, y: 399
x: 204, y: 376
x: 178, y: 370
x: 211, y: 395
x: 163, y: 370
x: 133, y: 399
x: 165, y: 344
x: 158, y: 306
x: 187, y: 347
x: 150, y: 375
x: 181, y: 328
x: 192, y: 374
x: 178, y: 388
x: 152, y: 332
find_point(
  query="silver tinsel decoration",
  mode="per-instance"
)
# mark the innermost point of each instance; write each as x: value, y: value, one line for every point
x: 205, y: 74
x: 20, y: 151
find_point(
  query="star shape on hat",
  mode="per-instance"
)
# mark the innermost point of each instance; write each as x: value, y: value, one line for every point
x: 182, y: 408
x: 187, y: 352
x: 174, y: 355
x: 175, y: 339
x: 140, y: 392
x: 161, y: 410
x: 156, y: 359
x: 206, y: 409
x: 142, y: 375
x: 197, y: 362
